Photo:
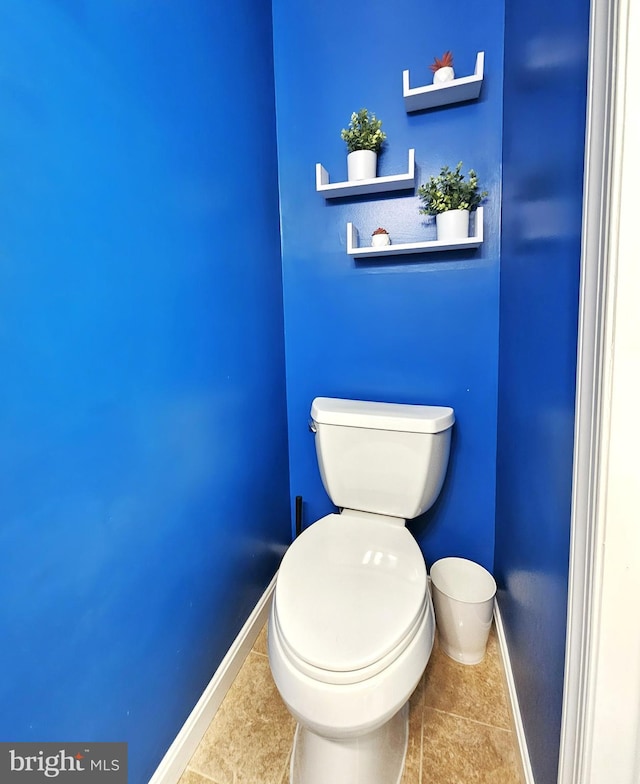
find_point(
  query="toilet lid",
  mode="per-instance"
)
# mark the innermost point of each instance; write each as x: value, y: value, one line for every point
x: 349, y: 590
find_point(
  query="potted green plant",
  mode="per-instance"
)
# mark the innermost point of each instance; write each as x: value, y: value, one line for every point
x: 451, y: 197
x: 442, y: 68
x: 364, y: 138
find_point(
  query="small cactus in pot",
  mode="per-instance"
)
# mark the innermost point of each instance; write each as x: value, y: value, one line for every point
x: 442, y: 68
x: 380, y: 238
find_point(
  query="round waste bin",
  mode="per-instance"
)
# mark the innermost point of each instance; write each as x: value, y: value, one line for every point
x: 463, y: 595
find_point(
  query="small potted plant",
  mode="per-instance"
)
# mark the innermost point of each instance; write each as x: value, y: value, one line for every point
x: 451, y: 198
x: 380, y: 238
x: 364, y: 139
x: 442, y: 68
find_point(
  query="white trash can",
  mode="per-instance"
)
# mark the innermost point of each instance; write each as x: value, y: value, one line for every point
x: 463, y: 595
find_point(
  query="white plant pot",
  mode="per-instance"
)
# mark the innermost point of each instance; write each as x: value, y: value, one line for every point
x: 453, y: 225
x: 380, y: 240
x: 361, y: 165
x: 446, y: 74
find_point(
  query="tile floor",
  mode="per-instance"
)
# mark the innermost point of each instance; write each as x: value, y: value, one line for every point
x: 460, y: 728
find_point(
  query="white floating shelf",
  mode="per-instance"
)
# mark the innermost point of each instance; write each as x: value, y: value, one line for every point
x: 394, y: 182
x: 464, y: 89
x: 369, y: 252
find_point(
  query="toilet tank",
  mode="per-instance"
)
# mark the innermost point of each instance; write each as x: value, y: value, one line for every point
x: 386, y: 458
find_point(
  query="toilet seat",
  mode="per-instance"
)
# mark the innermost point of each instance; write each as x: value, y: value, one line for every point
x: 350, y: 596
x: 343, y: 677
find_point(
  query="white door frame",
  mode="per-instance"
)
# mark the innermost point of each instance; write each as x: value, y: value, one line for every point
x: 601, y: 712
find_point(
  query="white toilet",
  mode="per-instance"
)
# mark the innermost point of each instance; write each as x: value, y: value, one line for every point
x: 351, y: 625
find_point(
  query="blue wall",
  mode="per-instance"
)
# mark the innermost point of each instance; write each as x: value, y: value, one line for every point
x: 546, y: 46
x: 143, y: 463
x: 423, y: 329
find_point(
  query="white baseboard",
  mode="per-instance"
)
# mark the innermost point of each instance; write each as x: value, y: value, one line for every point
x: 181, y: 750
x: 527, y: 771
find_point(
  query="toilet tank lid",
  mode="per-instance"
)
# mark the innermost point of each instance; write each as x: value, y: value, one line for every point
x: 401, y: 417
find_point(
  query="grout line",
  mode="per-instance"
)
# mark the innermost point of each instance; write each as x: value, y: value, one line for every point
x: 200, y: 773
x: 287, y: 767
x: 474, y: 721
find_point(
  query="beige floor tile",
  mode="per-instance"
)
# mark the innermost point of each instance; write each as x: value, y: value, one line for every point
x: 472, y: 691
x: 460, y: 751
x: 249, y: 740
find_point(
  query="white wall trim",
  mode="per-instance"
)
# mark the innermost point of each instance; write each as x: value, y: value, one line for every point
x: 582, y: 606
x: 601, y: 712
x: 513, y: 698
x: 181, y: 750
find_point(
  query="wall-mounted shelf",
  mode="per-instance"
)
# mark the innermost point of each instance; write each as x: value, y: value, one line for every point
x: 369, y: 252
x: 464, y: 89
x: 394, y: 182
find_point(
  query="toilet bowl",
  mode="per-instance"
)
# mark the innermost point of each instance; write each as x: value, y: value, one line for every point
x: 351, y: 625
x: 347, y: 650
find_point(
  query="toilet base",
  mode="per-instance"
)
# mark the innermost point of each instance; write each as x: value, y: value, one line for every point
x: 375, y: 758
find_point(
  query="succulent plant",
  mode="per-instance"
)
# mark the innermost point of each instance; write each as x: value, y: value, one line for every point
x: 446, y: 61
